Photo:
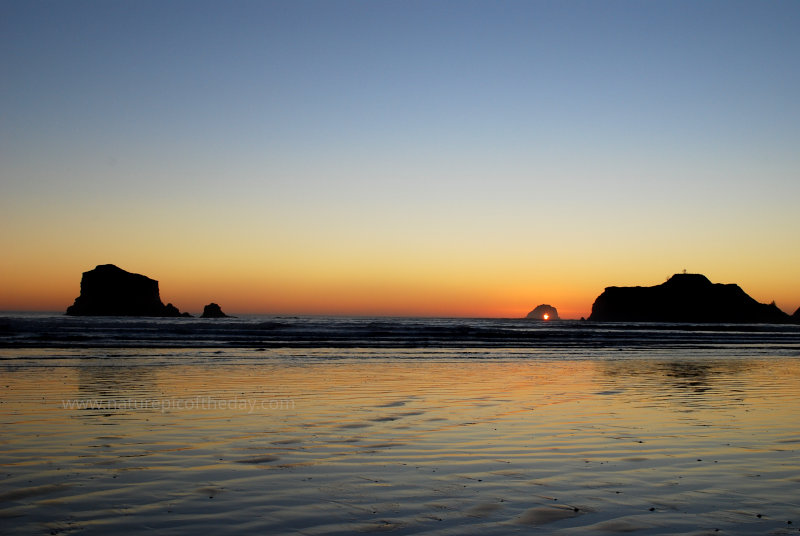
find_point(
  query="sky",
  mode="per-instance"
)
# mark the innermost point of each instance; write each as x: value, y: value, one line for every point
x: 470, y: 158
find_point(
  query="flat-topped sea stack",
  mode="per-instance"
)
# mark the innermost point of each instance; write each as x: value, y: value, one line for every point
x: 543, y: 312
x: 111, y: 291
x: 212, y: 310
x: 688, y: 298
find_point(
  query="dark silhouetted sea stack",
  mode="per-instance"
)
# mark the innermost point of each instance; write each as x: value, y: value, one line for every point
x: 212, y: 310
x: 684, y: 298
x: 543, y: 312
x: 111, y: 291
x: 796, y: 316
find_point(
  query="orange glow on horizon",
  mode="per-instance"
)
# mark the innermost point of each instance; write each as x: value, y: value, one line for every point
x: 346, y: 288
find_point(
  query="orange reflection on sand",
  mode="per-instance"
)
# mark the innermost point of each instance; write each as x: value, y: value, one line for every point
x: 434, y: 445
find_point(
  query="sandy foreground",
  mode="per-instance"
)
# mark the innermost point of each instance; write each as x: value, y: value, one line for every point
x: 409, y: 446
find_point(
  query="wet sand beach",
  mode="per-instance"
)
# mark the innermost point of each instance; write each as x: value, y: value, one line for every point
x: 676, y: 445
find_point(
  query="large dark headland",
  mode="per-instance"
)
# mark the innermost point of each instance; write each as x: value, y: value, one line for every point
x: 685, y: 298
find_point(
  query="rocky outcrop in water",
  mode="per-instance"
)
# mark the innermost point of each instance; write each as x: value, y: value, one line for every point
x: 111, y: 291
x: 543, y: 312
x: 212, y: 310
x: 796, y: 316
x: 684, y: 298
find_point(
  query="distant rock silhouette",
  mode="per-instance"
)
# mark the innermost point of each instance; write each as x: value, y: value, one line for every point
x: 212, y: 310
x: 796, y: 316
x: 683, y: 298
x: 541, y: 310
x: 111, y: 291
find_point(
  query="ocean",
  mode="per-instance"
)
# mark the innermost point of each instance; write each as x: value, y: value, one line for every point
x: 339, y: 425
x: 457, y: 337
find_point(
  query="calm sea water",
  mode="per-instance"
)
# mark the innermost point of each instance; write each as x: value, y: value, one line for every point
x: 490, y: 337
x: 278, y: 425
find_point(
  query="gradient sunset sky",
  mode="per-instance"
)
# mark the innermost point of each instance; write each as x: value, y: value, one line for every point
x: 398, y: 157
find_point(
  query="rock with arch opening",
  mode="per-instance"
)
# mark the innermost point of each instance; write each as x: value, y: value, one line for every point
x: 543, y: 312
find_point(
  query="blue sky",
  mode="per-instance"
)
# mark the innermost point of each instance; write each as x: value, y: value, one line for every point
x: 618, y: 139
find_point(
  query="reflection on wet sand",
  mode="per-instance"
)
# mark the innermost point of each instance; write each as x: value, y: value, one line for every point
x: 686, y: 382
x: 116, y: 380
x: 671, y: 446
